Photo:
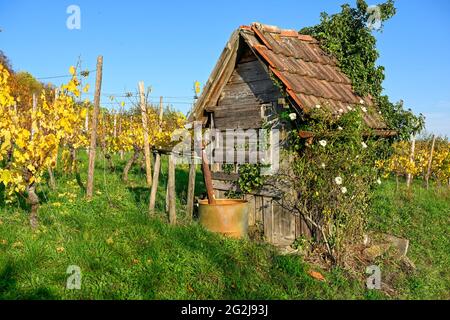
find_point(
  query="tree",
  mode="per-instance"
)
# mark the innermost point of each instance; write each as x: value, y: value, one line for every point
x: 348, y: 36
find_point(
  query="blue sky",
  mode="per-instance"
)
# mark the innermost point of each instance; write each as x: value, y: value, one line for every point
x: 170, y: 44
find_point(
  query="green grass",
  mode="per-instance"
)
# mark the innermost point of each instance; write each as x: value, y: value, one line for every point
x: 123, y: 254
x: 423, y: 217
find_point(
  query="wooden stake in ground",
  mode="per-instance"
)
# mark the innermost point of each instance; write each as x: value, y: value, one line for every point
x: 93, y: 144
x: 148, y: 164
x: 411, y: 160
x: 157, y: 165
x: 191, y: 189
x: 430, y: 161
x: 171, y: 191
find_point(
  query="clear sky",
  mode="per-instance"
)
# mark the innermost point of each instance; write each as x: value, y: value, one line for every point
x: 170, y: 44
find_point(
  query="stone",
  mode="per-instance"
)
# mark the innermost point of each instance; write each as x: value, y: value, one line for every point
x: 400, y: 244
x: 375, y: 251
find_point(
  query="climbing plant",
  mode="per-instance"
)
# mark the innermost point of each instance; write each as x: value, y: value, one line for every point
x: 348, y: 36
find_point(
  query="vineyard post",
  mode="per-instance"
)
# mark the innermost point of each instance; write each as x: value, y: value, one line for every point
x: 191, y: 188
x: 93, y: 144
x: 143, y: 103
x: 411, y: 160
x: 157, y: 164
x: 33, y: 115
x: 171, y: 190
x: 430, y: 161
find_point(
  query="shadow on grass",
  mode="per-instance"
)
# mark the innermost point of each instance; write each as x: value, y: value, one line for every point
x: 140, y: 194
x: 10, y: 291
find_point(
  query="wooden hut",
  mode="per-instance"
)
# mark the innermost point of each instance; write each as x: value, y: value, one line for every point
x: 243, y: 92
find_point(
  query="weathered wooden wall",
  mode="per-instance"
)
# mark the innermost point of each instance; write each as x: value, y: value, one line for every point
x: 279, y: 225
x: 241, y: 103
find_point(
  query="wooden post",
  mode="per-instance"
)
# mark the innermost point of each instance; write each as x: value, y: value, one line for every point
x: 93, y: 144
x: 411, y: 160
x: 154, y: 190
x: 148, y: 164
x: 191, y: 189
x: 430, y: 161
x: 33, y: 116
x: 157, y: 165
x: 171, y: 191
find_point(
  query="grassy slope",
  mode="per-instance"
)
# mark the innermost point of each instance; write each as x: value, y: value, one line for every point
x: 423, y: 217
x: 125, y: 255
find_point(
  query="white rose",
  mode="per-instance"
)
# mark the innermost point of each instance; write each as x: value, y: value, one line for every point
x: 344, y: 190
x: 338, y: 180
x: 293, y: 116
x: 323, y: 143
x: 364, y: 145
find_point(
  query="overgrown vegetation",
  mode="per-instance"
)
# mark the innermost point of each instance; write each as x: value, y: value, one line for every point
x: 327, y: 179
x: 348, y: 36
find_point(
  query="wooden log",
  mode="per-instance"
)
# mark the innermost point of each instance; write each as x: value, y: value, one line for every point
x: 143, y: 104
x: 191, y: 190
x: 93, y: 142
x: 171, y: 191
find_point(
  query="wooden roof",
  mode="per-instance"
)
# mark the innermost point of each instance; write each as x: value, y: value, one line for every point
x: 311, y: 77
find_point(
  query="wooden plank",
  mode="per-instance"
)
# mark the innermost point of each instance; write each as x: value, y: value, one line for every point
x: 225, y: 176
x: 242, y: 123
x: 258, y: 209
x: 287, y: 230
x: 245, y: 89
x: 251, y: 209
x: 230, y: 186
x: 268, y: 219
x: 277, y: 220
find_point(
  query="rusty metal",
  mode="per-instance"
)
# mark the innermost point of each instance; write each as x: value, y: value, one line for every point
x: 228, y: 217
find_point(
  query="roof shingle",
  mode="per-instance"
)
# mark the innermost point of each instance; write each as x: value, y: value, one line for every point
x: 310, y: 75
